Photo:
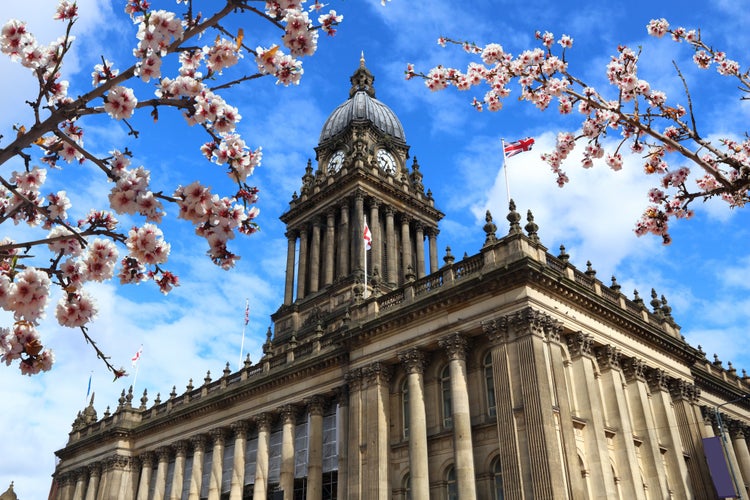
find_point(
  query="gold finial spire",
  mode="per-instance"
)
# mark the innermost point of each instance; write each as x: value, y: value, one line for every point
x: 362, y: 59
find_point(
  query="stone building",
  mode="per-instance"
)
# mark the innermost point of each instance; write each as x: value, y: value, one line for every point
x: 506, y: 374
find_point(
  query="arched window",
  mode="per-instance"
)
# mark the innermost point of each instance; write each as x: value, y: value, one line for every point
x: 497, y: 480
x: 407, y: 487
x: 451, y: 485
x: 489, y: 385
x: 445, y: 393
x: 405, y: 406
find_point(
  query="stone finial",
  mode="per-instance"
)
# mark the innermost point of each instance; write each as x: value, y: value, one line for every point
x: 247, y: 364
x: 449, y: 258
x: 226, y: 371
x: 701, y: 351
x: 531, y: 227
x: 615, y: 286
x: 489, y: 228
x: 666, y: 309
x: 144, y: 400
x: 157, y: 401
x: 267, y: 345
x: 637, y: 299
x: 731, y: 370
x: 429, y: 194
x: 107, y: 413
x: 513, y: 218
x: 173, y: 394
x: 129, y: 398
x: 655, y: 303
x: 717, y: 361
x: 207, y: 378
x: 590, y: 272
x: 189, y: 387
x: 563, y: 255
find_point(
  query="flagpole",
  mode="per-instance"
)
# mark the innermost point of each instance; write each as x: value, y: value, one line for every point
x: 364, y: 248
x: 505, y: 170
x: 135, y: 376
x: 137, y: 363
x: 244, y: 327
x: 88, y: 391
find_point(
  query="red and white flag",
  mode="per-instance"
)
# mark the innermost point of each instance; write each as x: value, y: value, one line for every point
x: 367, y: 237
x: 136, y: 356
x: 513, y: 148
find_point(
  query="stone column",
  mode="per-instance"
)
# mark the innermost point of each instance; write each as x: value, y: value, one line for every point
x: 375, y: 428
x: 147, y: 465
x: 684, y: 396
x: 359, y: 229
x: 655, y: 479
x: 120, y: 484
x: 376, y: 254
x: 738, y: 431
x: 414, y: 362
x: 342, y: 442
x: 80, y: 476
x: 463, y: 450
x: 238, y: 470
x: 291, y: 245
x: 302, y: 265
x: 217, y: 463
x: 406, y: 250
x: 315, y: 406
x: 666, y: 425
x: 315, y: 256
x: 419, y: 236
x: 432, y: 236
x: 589, y: 406
x: 356, y: 440
x: 343, y: 263
x: 286, y: 476
x: 390, y: 248
x: 178, y: 475
x: 196, y: 474
x: 328, y: 247
x: 616, y: 408
x: 95, y: 471
x: 66, y: 482
x: 260, y: 488
x: 732, y: 457
x: 163, y: 453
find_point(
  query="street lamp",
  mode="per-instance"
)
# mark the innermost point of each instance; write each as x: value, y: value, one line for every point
x: 724, y: 443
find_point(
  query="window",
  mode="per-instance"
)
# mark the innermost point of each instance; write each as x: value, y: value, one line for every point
x: 451, y: 485
x: 489, y: 385
x: 407, y: 487
x: 405, y: 406
x: 445, y: 393
x: 330, y: 485
x: 497, y: 483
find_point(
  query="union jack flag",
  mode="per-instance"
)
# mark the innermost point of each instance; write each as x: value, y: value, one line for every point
x: 513, y: 148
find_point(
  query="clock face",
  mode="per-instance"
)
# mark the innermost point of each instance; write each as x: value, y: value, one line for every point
x: 386, y: 162
x: 334, y: 164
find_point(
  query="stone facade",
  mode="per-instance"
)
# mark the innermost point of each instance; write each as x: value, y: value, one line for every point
x: 505, y: 374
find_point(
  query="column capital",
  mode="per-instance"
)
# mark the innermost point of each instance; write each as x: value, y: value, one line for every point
x: 737, y: 429
x: 390, y: 211
x: 354, y: 378
x: 683, y: 390
x: 657, y: 379
x: 81, y: 473
x: 199, y: 442
x: 527, y: 321
x: 634, y: 369
x: 373, y: 203
x: 456, y: 345
x: 608, y: 357
x: 377, y: 373
x: 413, y: 360
x: 359, y: 194
x: 95, y: 469
x: 341, y: 396
x: 240, y: 428
x: 288, y: 413
x: 263, y: 421
x: 118, y: 462
x: 432, y: 232
x: 164, y: 453
x: 291, y: 235
x: 405, y: 219
x: 147, y: 459
x: 218, y: 435
x: 316, y: 405
x: 579, y: 344
x: 181, y: 448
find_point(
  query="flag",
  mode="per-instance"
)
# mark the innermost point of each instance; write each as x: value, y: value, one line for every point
x: 247, y: 311
x: 367, y: 237
x: 513, y: 148
x: 136, y: 356
x: 88, y: 391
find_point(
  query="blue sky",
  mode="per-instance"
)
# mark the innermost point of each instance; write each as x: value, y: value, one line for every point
x: 198, y: 327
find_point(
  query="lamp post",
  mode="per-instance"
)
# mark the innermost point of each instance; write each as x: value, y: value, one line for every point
x: 737, y: 490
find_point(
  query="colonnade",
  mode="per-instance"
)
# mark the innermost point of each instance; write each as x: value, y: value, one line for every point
x: 195, y: 468
x: 330, y: 246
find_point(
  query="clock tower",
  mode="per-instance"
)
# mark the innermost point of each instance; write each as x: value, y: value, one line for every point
x: 360, y: 176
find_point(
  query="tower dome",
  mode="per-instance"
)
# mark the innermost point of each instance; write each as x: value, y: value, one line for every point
x: 362, y: 107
